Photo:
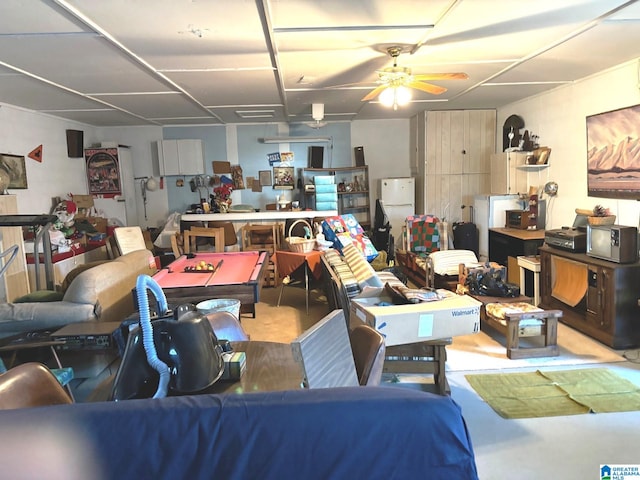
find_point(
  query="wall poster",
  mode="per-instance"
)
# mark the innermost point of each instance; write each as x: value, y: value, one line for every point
x: 103, y: 171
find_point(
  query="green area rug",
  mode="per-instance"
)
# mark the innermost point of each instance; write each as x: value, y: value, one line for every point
x: 563, y: 392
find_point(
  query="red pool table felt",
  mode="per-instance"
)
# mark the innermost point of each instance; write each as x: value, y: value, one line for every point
x: 236, y: 268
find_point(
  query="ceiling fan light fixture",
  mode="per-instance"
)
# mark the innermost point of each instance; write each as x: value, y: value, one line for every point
x: 395, y: 96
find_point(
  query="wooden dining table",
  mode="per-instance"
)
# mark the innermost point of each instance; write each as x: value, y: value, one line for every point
x: 270, y: 366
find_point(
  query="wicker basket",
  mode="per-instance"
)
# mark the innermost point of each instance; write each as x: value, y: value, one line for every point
x: 608, y: 220
x: 299, y: 244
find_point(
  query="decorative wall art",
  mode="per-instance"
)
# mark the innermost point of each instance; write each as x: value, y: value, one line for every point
x: 13, y: 171
x: 265, y: 178
x: 283, y: 178
x: 103, y: 171
x: 613, y: 154
x: 36, y: 154
x: 236, y: 174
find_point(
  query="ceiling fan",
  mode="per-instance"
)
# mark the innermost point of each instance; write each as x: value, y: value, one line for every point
x: 396, y: 81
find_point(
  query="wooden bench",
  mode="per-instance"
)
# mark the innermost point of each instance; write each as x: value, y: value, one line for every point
x: 515, y: 326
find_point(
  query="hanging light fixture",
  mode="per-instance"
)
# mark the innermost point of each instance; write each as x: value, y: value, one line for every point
x: 317, y: 111
x: 394, y: 96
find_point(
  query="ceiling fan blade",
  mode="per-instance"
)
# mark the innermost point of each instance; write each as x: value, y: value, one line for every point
x: 427, y: 87
x: 374, y: 93
x: 441, y: 76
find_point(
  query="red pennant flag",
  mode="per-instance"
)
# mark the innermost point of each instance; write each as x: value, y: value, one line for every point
x: 36, y: 154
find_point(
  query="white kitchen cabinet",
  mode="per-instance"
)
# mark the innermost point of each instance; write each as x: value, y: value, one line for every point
x: 180, y: 157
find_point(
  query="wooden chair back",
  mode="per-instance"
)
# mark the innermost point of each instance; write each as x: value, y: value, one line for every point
x: 229, y: 232
x: 368, y: 348
x: 191, y: 236
x: 31, y: 385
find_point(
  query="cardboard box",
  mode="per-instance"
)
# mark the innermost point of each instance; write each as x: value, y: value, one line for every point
x: 418, y: 322
x: 84, y: 203
x: 99, y: 223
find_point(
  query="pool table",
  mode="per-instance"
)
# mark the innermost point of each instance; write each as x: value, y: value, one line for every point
x: 238, y: 275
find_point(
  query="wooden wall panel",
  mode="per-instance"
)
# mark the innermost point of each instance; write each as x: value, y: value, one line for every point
x: 457, y: 152
x: 16, y: 278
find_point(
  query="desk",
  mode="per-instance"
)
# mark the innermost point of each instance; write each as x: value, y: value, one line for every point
x: 288, y: 262
x: 270, y: 366
x: 507, y: 244
x: 240, y: 276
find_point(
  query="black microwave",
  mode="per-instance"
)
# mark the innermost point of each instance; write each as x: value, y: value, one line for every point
x: 615, y: 243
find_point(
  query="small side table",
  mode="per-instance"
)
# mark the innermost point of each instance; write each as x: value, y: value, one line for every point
x: 531, y: 263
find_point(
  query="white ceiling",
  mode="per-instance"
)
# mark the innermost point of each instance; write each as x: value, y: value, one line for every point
x: 184, y: 62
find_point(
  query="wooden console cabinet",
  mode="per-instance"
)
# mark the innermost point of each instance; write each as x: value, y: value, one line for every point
x: 609, y: 312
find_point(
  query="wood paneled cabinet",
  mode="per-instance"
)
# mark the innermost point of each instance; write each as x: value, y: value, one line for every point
x: 510, y: 173
x: 451, y: 159
x: 15, y: 281
x: 180, y: 157
x: 609, y: 311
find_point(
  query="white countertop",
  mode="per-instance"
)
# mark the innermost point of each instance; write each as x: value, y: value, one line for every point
x: 255, y: 216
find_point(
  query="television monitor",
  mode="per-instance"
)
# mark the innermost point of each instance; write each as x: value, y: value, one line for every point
x: 613, y: 154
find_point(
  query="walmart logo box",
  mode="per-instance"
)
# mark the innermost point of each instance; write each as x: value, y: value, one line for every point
x: 417, y: 322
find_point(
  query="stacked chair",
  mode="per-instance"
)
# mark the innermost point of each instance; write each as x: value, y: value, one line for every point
x: 263, y: 237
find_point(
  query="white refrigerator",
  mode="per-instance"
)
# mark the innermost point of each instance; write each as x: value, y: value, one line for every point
x: 398, y: 198
x: 489, y: 212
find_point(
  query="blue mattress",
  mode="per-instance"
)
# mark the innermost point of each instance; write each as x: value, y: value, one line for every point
x: 350, y: 433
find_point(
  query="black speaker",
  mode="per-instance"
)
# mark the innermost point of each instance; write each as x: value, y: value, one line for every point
x: 359, y: 154
x: 75, y: 143
x: 316, y: 155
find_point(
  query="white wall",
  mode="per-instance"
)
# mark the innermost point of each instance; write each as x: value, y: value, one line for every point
x: 57, y: 175
x: 559, y: 118
x: 140, y: 139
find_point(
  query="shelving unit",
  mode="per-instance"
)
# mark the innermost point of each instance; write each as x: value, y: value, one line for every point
x: 354, y: 199
x: 510, y: 172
